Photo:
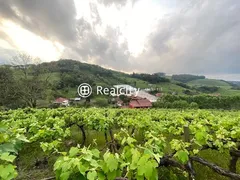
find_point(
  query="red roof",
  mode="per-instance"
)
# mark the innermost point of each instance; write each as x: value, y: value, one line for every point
x: 140, y: 103
x: 60, y: 100
x: 159, y: 94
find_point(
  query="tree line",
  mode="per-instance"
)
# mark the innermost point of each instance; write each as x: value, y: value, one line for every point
x: 199, y: 101
x: 21, y: 84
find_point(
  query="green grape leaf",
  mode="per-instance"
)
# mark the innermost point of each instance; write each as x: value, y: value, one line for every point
x: 201, y: 137
x: 111, y: 175
x: 135, y: 159
x: 73, y: 152
x: 7, y: 147
x: 8, y: 172
x: 82, y: 168
x: 182, y: 156
x: 94, y: 163
x: 101, y: 176
x: 96, y: 153
x: 87, y: 157
x: 22, y: 138
x: 92, y: 175
x: 7, y: 157
x: 112, y: 162
x: 143, y: 160
x: 65, y: 175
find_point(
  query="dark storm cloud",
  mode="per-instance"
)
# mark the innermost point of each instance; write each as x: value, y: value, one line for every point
x: 55, y: 20
x: 202, y: 38
x: 51, y: 19
x: 103, y: 50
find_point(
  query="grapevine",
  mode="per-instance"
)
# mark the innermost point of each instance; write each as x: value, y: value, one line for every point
x: 137, y: 142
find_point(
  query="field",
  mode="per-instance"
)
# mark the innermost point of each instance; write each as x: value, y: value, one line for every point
x: 225, y: 89
x: 73, y: 143
x: 208, y: 82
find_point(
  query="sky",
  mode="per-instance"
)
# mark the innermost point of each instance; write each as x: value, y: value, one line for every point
x: 172, y: 36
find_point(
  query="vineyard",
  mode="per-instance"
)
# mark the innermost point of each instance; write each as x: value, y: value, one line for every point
x: 78, y: 143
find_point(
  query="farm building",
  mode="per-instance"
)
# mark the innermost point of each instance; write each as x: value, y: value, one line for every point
x: 140, y: 103
x: 62, y: 101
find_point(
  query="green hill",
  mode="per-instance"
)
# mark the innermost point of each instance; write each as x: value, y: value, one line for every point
x: 225, y: 88
x: 208, y: 82
x: 68, y: 74
x: 44, y: 82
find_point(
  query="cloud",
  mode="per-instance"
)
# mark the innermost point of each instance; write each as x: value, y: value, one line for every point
x: 98, y: 49
x: 118, y: 3
x: 200, y: 37
x: 54, y: 20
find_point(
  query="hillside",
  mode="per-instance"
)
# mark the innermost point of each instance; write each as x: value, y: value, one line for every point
x: 39, y: 85
x: 69, y: 74
x: 72, y: 73
x: 208, y: 82
x: 235, y: 82
x: 224, y: 88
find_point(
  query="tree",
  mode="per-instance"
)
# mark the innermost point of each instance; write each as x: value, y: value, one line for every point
x: 101, y: 102
x: 23, y: 61
x: 125, y: 99
x: 30, y: 85
x: 7, y: 87
x: 194, y: 105
x: 186, y: 77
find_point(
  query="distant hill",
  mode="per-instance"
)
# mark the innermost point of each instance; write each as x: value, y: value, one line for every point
x: 66, y: 75
x: 235, y: 82
x: 208, y: 82
x: 224, y: 88
x: 39, y: 85
x: 184, y: 78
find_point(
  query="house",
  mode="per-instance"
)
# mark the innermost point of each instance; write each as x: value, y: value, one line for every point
x: 62, y: 101
x: 138, y: 102
x: 159, y: 95
x: 144, y: 95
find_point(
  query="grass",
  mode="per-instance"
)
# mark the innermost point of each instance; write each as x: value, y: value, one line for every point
x: 224, y: 87
x: 167, y: 87
x: 227, y: 91
x: 221, y: 159
x: 208, y: 82
x: 27, y: 159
